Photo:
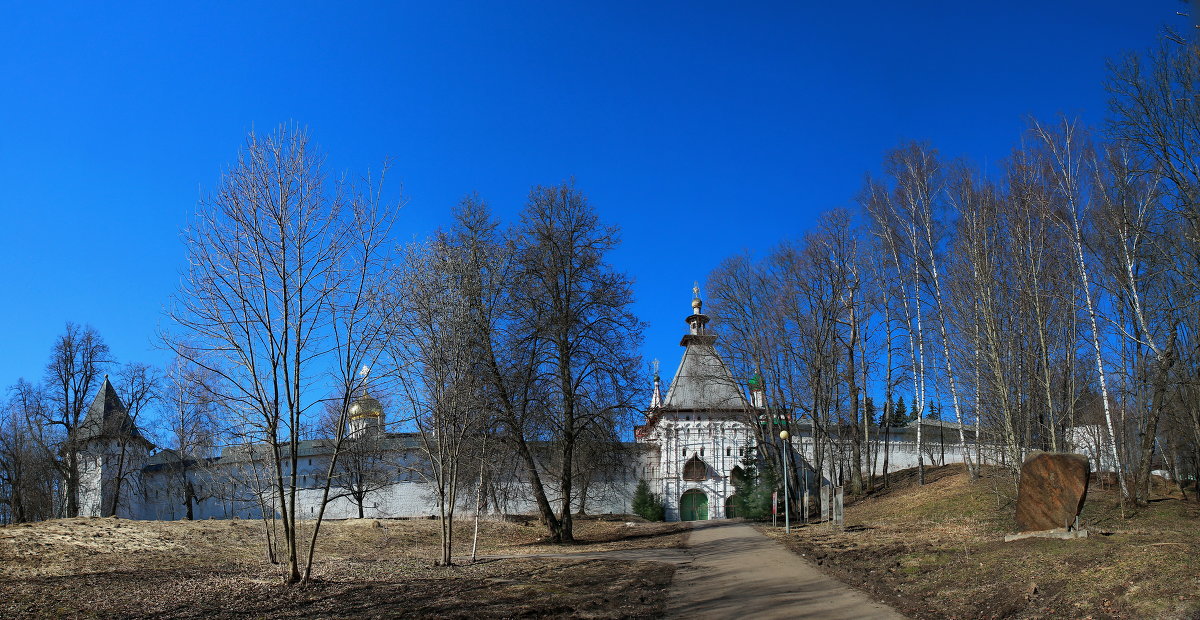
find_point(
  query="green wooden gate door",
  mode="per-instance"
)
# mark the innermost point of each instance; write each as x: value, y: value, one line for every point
x: 693, y: 506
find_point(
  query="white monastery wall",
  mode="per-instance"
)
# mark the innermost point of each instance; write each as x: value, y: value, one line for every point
x: 704, y: 419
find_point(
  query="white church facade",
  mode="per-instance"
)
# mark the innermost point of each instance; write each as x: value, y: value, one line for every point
x: 692, y: 447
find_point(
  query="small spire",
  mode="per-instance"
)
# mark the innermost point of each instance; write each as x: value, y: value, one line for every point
x: 696, y: 303
x: 656, y: 396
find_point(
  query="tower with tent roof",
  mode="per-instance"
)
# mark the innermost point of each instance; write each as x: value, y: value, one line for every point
x: 699, y: 433
x: 112, y: 454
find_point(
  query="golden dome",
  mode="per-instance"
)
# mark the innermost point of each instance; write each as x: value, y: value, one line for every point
x: 366, y: 406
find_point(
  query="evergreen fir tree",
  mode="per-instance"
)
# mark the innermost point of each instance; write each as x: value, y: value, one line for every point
x: 752, y: 499
x: 647, y: 505
x: 899, y: 413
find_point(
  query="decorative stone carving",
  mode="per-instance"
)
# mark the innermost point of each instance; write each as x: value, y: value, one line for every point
x: 1052, y: 491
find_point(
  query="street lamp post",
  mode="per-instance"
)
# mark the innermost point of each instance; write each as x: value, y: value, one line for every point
x: 787, y: 512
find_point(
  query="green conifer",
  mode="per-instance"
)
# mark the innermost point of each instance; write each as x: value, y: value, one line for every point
x: 647, y: 505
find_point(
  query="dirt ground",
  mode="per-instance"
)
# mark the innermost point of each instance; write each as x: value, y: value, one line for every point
x: 932, y: 551
x: 365, y: 568
x: 938, y: 551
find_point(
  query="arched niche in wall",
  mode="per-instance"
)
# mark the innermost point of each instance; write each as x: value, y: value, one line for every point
x: 737, y: 475
x: 695, y: 469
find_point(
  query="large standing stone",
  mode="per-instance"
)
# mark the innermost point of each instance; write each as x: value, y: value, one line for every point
x: 1053, y: 488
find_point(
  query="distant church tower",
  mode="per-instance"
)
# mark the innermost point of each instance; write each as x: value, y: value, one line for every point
x: 111, y: 454
x: 699, y: 434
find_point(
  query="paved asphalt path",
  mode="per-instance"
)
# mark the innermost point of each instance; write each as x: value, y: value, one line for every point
x: 736, y: 572
x: 730, y: 570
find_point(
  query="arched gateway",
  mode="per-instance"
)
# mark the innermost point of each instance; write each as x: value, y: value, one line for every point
x: 693, y: 506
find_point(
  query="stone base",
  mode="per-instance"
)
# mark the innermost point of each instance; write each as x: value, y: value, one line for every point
x: 1061, y: 532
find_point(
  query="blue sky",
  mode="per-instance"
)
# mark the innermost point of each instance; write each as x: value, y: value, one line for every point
x: 701, y: 128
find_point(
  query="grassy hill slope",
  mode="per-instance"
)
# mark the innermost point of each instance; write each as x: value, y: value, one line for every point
x: 937, y: 551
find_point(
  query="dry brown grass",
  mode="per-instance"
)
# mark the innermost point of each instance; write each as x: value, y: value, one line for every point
x: 937, y: 551
x: 372, y: 568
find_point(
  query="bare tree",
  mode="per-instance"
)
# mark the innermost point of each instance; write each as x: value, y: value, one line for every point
x: 27, y: 473
x: 573, y: 313
x: 439, y: 352
x: 364, y: 468
x: 1067, y: 157
x: 278, y: 261
x: 895, y: 218
x: 77, y: 360
x: 188, y: 410
x: 1155, y: 130
x: 140, y: 384
x: 1137, y: 253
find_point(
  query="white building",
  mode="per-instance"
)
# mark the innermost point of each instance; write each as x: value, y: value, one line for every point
x: 691, y: 449
x: 698, y: 436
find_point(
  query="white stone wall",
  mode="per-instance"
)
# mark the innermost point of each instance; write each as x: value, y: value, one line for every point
x: 90, y: 484
x: 1092, y: 441
x: 228, y: 490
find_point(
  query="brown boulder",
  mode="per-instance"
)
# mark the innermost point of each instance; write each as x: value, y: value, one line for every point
x: 1053, y: 488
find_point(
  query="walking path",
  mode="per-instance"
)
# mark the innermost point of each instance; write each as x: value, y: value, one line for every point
x: 737, y: 572
x: 730, y: 570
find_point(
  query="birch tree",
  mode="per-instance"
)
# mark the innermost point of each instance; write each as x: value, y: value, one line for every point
x: 1067, y: 156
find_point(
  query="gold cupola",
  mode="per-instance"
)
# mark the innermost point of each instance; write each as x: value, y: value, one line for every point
x: 366, y: 415
x: 366, y: 406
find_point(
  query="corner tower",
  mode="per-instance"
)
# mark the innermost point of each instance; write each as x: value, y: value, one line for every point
x: 112, y: 453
